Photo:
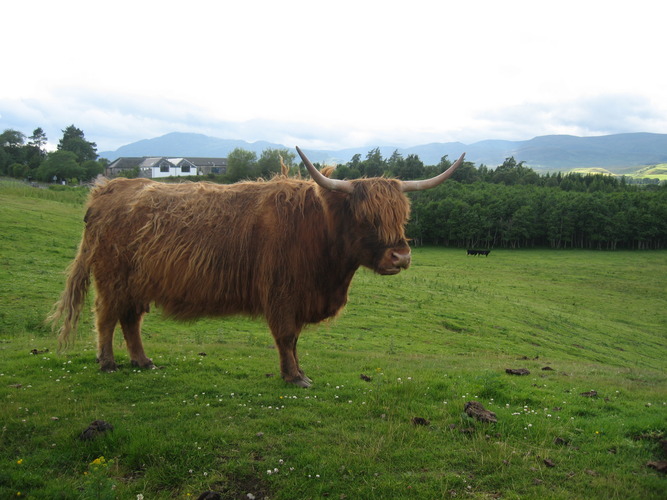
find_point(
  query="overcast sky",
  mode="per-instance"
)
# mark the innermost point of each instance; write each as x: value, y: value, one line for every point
x: 332, y: 75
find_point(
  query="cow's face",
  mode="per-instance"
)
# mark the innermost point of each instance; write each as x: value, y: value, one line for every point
x: 381, y: 211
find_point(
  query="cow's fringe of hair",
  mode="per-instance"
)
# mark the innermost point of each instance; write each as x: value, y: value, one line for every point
x: 68, y: 308
x: 378, y: 201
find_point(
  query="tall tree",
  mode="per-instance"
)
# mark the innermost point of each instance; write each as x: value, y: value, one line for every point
x: 353, y: 171
x: 395, y: 163
x: 11, y: 143
x: 38, y: 138
x: 35, y: 152
x: 73, y: 140
x: 240, y: 164
x: 374, y: 165
x: 411, y: 168
x: 11, y: 138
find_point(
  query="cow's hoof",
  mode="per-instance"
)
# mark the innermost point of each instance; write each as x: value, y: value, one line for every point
x: 108, y: 366
x: 148, y: 365
x: 305, y: 377
x: 302, y: 381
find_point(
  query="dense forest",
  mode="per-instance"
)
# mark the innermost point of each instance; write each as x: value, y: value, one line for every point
x: 510, y: 206
x: 488, y: 215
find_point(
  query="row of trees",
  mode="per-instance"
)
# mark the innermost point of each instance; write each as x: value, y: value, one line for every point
x: 75, y: 158
x: 486, y: 215
x: 510, y: 206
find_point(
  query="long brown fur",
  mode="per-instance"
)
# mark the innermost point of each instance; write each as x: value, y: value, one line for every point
x: 285, y: 249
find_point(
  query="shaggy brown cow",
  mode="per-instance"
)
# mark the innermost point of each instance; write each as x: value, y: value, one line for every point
x: 285, y: 249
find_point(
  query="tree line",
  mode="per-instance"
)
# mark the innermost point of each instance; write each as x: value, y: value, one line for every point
x: 488, y: 215
x: 75, y: 158
x: 510, y: 206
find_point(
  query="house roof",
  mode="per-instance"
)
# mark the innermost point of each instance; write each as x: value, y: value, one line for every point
x: 125, y: 162
x: 153, y: 161
x: 208, y: 162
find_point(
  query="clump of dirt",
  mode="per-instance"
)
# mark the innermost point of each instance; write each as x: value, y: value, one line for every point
x: 517, y: 371
x: 96, y: 428
x: 660, y: 466
x: 476, y: 410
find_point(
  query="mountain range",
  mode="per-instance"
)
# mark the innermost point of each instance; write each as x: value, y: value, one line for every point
x: 618, y: 153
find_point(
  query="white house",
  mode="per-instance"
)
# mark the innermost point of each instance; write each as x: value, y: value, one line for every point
x: 166, y: 167
x: 162, y: 166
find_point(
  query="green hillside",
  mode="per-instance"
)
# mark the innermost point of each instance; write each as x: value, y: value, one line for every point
x: 586, y: 422
x: 652, y: 172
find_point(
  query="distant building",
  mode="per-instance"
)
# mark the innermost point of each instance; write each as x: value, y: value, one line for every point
x: 153, y: 167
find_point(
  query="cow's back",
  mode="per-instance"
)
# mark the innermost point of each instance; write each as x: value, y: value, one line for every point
x: 198, y: 248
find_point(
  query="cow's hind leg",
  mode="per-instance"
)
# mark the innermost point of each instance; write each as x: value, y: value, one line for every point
x: 105, y: 320
x: 131, y: 325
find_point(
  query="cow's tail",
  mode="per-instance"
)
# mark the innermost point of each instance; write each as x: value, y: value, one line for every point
x: 67, y: 310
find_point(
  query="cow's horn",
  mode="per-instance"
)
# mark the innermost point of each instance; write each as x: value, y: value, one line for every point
x: 433, y: 181
x: 325, y: 182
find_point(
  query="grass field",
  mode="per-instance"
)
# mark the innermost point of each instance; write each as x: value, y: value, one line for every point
x: 216, y: 415
x: 653, y: 172
x: 658, y: 171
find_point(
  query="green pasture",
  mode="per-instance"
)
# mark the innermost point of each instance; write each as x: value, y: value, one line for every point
x: 658, y: 171
x: 216, y: 415
x: 591, y: 170
x: 653, y: 172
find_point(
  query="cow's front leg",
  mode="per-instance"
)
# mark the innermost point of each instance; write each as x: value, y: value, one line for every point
x: 131, y: 325
x: 289, y: 364
x: 290, y: 371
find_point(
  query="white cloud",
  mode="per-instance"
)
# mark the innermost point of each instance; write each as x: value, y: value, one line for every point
x: 334, y: 75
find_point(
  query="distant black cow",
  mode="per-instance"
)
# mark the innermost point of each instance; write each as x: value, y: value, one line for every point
x: 485, y: 253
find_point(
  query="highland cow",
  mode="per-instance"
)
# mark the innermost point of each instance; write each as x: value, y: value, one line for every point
x: 285, y: 249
